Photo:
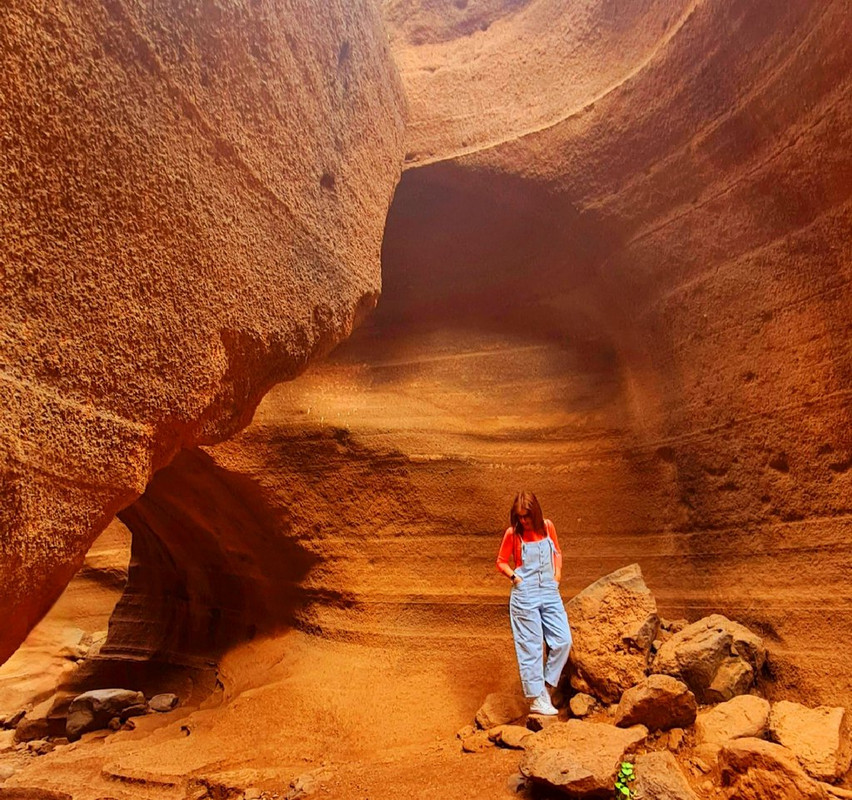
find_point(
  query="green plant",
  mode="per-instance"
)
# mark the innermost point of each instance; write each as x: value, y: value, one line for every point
x: 625, y: 776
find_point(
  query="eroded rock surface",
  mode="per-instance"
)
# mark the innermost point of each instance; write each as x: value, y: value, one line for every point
x: 754, y: 769
x: 659, y: 777
x: 192, y: 203
x: 745, y: 716
x: 659, y: 702
x: 613, y: 622
x: 718, y: 659
x: 577, y: 757
x: 819, y: 737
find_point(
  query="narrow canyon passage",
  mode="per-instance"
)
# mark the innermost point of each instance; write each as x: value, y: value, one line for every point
x: 616, y: 269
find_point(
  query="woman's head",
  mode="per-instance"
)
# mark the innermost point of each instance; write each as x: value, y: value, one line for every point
x: 526, y: 513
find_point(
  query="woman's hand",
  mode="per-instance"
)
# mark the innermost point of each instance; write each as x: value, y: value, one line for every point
x: 517, y: 580
x: 558, y: 576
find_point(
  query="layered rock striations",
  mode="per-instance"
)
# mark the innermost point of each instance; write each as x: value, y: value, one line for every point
x: 192, y: 201
x: 634, y: 302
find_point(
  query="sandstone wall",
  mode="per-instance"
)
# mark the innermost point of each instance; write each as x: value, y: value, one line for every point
x: 192, y: 199
x: 638, y: 308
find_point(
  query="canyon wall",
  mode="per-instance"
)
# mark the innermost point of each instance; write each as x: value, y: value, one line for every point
x: 192, y: 201
x: 634, y: 301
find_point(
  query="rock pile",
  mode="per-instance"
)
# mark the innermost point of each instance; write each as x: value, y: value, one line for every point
x: 99, y: 709
x: 679, y: 702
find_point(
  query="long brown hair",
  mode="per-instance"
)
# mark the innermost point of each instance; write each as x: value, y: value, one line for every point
x: 526, y: 503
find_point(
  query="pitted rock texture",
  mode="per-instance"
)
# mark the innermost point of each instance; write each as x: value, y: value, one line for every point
x: 192, y: 203
x: 626, y: 285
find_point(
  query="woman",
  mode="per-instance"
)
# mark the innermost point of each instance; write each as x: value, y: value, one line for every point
x: 535, y: 607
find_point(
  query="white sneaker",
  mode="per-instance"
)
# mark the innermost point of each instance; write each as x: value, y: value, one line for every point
x: 542, y: 705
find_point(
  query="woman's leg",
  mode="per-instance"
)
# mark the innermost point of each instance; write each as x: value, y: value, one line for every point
x: 527, y: 633
x: 557, y: 635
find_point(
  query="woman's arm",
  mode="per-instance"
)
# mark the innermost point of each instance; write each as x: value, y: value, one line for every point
x: 557, y: 555
x: 506, y: 548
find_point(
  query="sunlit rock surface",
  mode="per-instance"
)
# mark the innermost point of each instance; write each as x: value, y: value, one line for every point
x: 192, y: 201
x: 616, y: 271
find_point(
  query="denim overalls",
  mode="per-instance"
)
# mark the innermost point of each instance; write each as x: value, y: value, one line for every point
x: 538, y: 615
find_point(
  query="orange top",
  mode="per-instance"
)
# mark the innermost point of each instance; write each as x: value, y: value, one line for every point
x: 511, y: 544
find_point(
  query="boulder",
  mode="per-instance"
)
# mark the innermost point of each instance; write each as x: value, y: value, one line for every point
x: 577, y: 757
x: 718, y: 659
x: 582, y: 704
x: 754, y: 769
x: 500, y: 708
x: 613, y: 622
x: 93, y: 710
x: 163, y: 702
x: 819, y: 737
x: 658, y: 777
x: 743, y: 716
x: 659, y: 702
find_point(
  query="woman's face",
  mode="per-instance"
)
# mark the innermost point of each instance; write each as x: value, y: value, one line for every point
x: 525, y: 519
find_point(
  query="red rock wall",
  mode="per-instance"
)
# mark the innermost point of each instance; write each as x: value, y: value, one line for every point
x: 192, y: 200
x: 639, y: 309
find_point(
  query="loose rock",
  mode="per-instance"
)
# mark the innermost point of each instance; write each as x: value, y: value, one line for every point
x: 744, y: 716
x: 578, y: 757
x: 658, y: 777
x: 512, y: 736
x: 476, y: 743
x: 613, y: 621
x: 754, y: 769
x: 93, y: 710
x: 819, y: 737
x: 500, y: 708
x: 163, y: 702
x: 659, y: 702
x: 675, y: 740
x: 582, y: 704
x: 718, y: 659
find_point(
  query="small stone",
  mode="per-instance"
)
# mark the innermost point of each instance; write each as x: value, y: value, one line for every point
x: 513, y: 736
x: 538, y: 723
x: 252, y: 793
x: 700, y: 764
x: 582, y: 704
x: 467, y: 730
x: 40, y: 746
x: 516, y: 783
x: 477, y: 743
x: 11, y: 720
x: 6, y: 772
x: 163, y: 702
x: 114, y: 724
x: 500, y: 708
x: 676, y: 737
